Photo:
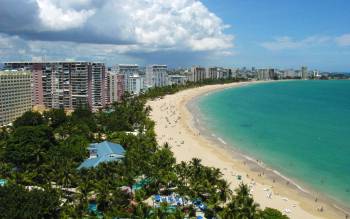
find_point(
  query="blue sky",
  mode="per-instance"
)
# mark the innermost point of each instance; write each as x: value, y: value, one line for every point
x: 232, y: 33
x: 255, y: 22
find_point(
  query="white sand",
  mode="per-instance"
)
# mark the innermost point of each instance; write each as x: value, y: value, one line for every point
x: 174, y: 124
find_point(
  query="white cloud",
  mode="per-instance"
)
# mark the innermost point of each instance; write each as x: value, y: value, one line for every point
x: 106, y: 28
x: 282, y: 43
x: 210, y: 43
x: 57, y: 19
x: 161, y: 24
x: 343, y: 40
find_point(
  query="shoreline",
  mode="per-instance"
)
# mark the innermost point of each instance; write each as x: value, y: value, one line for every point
x: 178, y: 123
x: 258, y: 166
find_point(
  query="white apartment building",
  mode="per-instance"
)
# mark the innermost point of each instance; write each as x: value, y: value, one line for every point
x: 135, y: 84
x: 197, y: 74
x: 218, y: 73
x: 128, y: 70
x: 15, y: 95
x: 156, y: 76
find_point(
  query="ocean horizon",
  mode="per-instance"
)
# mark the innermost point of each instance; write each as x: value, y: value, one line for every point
x: 297, y: 128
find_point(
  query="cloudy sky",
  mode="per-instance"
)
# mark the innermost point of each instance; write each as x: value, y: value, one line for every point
x: 179, y: 32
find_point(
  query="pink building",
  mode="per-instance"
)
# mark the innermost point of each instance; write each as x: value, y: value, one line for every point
x: 120, y: 87
x: 37, y: 85
x: 116, y: 87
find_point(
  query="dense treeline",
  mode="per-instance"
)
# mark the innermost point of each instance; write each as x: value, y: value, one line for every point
x: 40, y: 154
x: 171, y: 89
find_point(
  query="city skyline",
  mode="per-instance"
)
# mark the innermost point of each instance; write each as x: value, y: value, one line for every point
x: 179, y: 33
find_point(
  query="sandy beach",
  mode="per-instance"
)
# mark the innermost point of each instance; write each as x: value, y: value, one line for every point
x: 176, y: 125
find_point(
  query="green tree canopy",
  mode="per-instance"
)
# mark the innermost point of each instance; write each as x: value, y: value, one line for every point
x: 28, y: 145
x: 55, y: 117
x: 29, y: 118
x: 271, y: 213
x: 18, y: 203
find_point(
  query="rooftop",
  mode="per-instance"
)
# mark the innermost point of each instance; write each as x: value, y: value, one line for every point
x: 103, y: 152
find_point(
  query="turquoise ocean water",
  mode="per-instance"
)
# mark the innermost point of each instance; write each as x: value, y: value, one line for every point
x: 299, y: 128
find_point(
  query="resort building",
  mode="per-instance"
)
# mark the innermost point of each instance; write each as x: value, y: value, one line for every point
x: 102, y: 152
x: 15, y: 95
x: 156, y: 76
x: 66, y: 84
x: 197, y: 74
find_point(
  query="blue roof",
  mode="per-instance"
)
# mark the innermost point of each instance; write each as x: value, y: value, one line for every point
x: 104, y: 152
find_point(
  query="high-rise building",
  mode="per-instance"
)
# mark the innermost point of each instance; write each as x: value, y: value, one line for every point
x: 116, y: 87
x: 156, y: 76
x: 218, y: 73
x: 120, y: 87
x: 135, y: 84
x: 15, y: 95
x: 97, y: 86
x: 66, y: 84
x: 272, y: 73
x: 263, y: 74
x: 128, y: 70
x: 304, y: 74
x: 197, y: 74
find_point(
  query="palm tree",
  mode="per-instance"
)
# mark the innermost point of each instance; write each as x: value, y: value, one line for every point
x: 242, y: 192
x: 249, y: 209
x: 231, y: 211
x: 195, y: 166
x: 103, y: 195
x: 84, y: 189
x: 225, y: 192
x: 67, y: 177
